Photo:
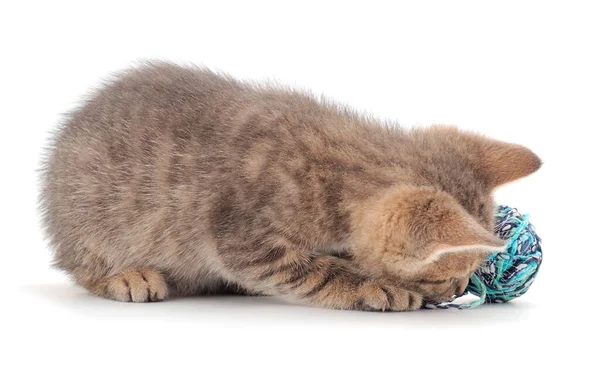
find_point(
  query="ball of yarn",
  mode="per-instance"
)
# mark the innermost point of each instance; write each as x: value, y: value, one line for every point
x: 507, y: 275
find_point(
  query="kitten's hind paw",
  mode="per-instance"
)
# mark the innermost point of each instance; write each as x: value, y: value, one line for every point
x: 134, y: 285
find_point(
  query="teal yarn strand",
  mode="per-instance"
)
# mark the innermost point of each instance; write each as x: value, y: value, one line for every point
x: 507, y: 275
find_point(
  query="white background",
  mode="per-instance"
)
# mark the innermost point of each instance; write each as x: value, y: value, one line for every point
x: 526, y: 72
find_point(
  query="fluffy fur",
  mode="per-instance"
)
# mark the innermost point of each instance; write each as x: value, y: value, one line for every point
x: 177, y: 180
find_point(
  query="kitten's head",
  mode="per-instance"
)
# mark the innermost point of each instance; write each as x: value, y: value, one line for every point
x: 434, y: 232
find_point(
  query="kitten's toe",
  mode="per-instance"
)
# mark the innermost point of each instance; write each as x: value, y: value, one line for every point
x: 141, y: 285
x: 405, y: 300
x: 387, y: 297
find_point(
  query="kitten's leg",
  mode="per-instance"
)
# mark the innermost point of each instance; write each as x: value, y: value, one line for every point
x: 318, y: 280
x: 135, y: 285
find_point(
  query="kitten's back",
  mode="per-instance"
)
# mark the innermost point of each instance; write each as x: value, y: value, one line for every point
x: 140, y: 170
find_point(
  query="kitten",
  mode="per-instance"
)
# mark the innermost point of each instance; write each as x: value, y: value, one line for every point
x: 177, y: 180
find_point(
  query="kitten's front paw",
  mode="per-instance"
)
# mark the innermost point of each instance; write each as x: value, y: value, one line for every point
x: 136, y: 286
x: 377, y: 296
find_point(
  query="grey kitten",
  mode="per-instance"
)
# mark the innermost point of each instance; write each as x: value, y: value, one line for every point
x: 174, y: 180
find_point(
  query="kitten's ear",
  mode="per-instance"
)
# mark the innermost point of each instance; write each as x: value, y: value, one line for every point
x: 472, y: 238
x: 498, y: 162
x: 503, y: 162
x: 442, y: 226
x: 418, y: 223
x: 428, y: 223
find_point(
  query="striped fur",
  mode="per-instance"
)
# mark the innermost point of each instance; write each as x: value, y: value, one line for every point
x: 176, y: 176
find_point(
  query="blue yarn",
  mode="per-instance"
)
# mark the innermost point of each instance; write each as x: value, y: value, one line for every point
x: 507, y: 275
